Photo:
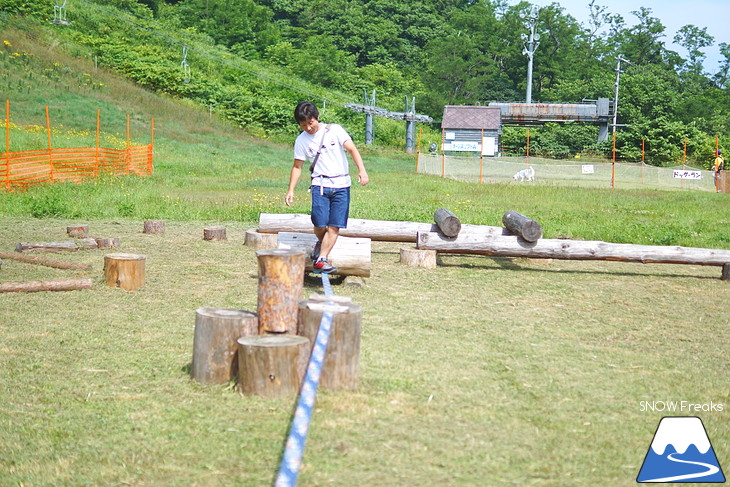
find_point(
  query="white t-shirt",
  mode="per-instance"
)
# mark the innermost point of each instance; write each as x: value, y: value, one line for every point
x: 331, y: 170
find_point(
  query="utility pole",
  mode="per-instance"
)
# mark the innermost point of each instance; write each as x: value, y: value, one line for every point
x: 531, y: 43
x: 619, y: 60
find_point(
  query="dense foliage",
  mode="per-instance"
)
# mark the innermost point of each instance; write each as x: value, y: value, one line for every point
x: 251, y: 60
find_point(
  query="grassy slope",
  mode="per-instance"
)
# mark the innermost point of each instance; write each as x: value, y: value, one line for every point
x: 481, y: 372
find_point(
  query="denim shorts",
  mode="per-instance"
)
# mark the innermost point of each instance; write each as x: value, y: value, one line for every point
x: 331, y: 208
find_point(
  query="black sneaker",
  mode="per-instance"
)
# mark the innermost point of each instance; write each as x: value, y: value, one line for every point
x: 323, y: 267
x: 315, y: 251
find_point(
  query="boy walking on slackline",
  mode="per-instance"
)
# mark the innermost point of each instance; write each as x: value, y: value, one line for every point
x: 324, y: 145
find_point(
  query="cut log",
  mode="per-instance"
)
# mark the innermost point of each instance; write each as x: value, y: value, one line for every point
x: 376, y: 230
x: 108, y: 243
x: 418, y: 257
x: 48, y: 285
x: 154, y: 227
x: 725, y: 272
x: 519, y: 224
x: 84, y: 243
x: 271, y: 365
x: 341, y: 367
x: 124, y: 270
x: 77, y: 231
x: 351, y: 256
x: 215, y: 342
x: 215, y: 233
x: 260, y: 241
x: 447, y: 222
x: 281, y: 280
x: 56, y: 264
x: 513, y: 246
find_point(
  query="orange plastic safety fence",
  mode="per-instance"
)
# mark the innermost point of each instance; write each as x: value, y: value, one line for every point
x: 21, y: 170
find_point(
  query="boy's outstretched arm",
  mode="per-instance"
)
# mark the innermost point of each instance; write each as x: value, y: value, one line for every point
x: 296, y: 172
x: 362, y: 174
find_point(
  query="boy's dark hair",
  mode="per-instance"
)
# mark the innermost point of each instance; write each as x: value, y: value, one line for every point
x: 305, y: 110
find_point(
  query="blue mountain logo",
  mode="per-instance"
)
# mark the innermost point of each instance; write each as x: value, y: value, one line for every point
x: 681, y: 452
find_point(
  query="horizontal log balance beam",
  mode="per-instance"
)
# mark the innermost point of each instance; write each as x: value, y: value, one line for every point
x: 376, y: 230
x: 513, y: 246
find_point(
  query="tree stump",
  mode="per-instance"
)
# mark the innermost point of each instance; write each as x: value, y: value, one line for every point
x: 520, y: 225
x: 215, y: 342
x: 725, y: 272
x: 447, y: 222
x: 108, y: 243
x: 271, y: 365
x: 418, y: 258
x: 154, y: 227
x: 281, y: 280
x: 341, y: 368
x: 124, y: 270
x: 215, y: 233
x: 261, y: 241
x: 77, y: 231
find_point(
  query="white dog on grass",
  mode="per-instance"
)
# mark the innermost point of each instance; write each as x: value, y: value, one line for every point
x: 527, y: 174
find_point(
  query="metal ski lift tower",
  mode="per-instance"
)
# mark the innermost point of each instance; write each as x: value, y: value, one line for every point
x: 619, y: 60
x: 531, y: 43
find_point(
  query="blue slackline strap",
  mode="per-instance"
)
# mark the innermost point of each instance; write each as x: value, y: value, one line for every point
x: 291, y: 460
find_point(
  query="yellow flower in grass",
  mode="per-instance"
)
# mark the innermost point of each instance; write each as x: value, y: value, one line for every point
x: 7, y: 43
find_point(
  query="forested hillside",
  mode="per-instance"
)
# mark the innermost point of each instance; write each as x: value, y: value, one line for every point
x: 250, y: 61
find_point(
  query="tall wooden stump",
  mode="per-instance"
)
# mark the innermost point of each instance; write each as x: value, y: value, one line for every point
x: 725, y: 276
x: 418, y: 257
x: 281, y: 280
x: 271, y: 365
x: 261, y: 240
x: 77, y: 231
x: 215, y: 233
x: 124, y: 270
x: 215, y: 343
x: 341, y: 369
x: 108, y: 243
x: 154, y: 227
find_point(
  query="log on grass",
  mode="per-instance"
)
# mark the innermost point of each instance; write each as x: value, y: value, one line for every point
x: 125, y: 271
x: 260, y: 241
x: 341, y: 366
x: 69, y: 246
x: 154, y: 227
x: 47, y: 285
x: 271, y: 365
x: 108, y: 243
x: 418, y: 257
x: 376, y: 230
x: 514, y: 246
x: 447, y: 222
x: 519, y: 224
x: 215, y: 342
x: 281, y: 280
x: 78, y: 231
x: 215, y: 233
x: 56, y: 264
x: 351, y: 256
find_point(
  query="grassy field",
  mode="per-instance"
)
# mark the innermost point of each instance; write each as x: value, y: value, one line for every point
x: 483, y: 371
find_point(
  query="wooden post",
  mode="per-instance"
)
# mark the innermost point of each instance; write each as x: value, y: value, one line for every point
x: 413, y: 257
x: 154, y: 226
x: 281, y: 280
x: 725, y: 272
x: 341, y: 369
x: 520, y: 225
x: 77, y: 231
x: 215, y: 233
x: 49, y: 285
x: 215, y: 342
x: 261, y: 241
x: 124, y: 270
x: 447, y: 222
x: 271, y: 365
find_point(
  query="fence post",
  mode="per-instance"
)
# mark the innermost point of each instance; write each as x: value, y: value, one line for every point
x: 50, y: 146
x: 127, y: 151
x: 443, y: 153
x: 7, y: 144
x: 151, y: 149
x: 481, y: 159
x: 98, y: 129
